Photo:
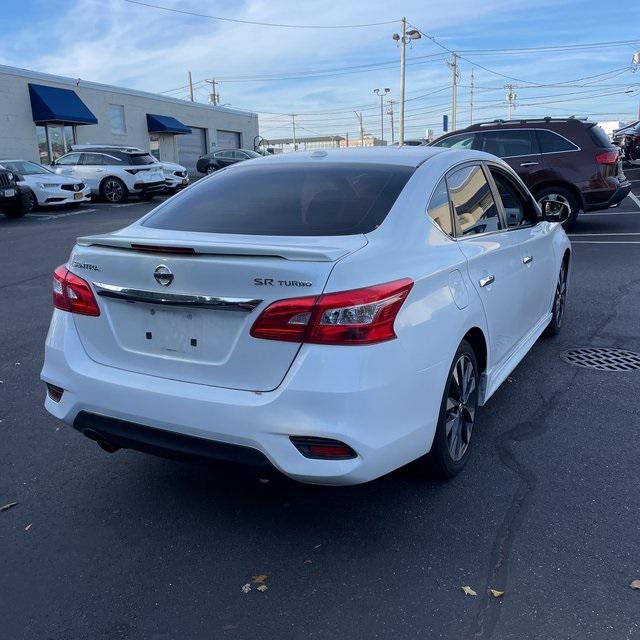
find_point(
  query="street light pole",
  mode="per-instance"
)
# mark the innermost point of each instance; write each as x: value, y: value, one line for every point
x: 382, y: 93
x: 402, y: 38
x: 390, y: 114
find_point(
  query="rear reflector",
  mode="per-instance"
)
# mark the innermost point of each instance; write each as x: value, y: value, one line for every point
x: 55, y: 393
x: 608, y: 157
x: 72, y: 293
x: 323, y: 448
x: 150, y: 248
x: 359, y: 316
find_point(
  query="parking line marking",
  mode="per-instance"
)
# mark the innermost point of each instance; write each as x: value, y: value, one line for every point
x: 612, y: 213
x: 634, y: 197
x: 621, y: 233
x: 605, y: 242
x: 55, y: 216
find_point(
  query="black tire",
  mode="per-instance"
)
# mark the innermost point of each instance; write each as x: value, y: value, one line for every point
x: 559, y: 303
x: 458, y: 419
x: 113, y: 190
x: 33, y: 201
x: 210, y: 169
x: 562, y: 195
x: 18, y: 209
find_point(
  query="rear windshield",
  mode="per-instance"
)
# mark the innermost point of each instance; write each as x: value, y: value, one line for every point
x: 599, y: 137
x: 301, y: 199
x: 141, y: 158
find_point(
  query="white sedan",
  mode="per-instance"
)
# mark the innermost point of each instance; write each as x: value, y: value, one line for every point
x: 45, y: 187
x: 334, y: 314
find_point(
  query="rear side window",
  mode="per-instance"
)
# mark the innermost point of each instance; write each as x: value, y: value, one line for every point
x: 508, y: 143
x: 459, y: 141
x: 599, y: 137
x: 94, y: 159
x: 298, y: 199
x: 551, y: 142
x: 439, y: 210
x: 473, y: 204
x: 141, y: 158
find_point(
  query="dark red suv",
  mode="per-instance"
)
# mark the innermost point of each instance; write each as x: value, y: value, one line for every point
x: 569, y: 160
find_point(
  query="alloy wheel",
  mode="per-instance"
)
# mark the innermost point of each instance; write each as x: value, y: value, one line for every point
x: 210, y: 169
x: 560, y: 297
x: 33, y: 202
x: 113, y: 191
x: 461, y: 407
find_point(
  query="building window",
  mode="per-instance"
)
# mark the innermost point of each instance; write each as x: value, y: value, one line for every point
x: 154, y: 145
x: 54, y: 140
x: 116, y: 118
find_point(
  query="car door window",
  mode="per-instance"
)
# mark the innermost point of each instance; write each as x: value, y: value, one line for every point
x: 439, y: 210
x: 239, y: 155
x: 551, y: 142
x: 508, y: 143
x: 93, y: 159
x: 459, y: 141
x: 475, y: 210
x: 69, y: 159
x: 224, y: 155
x: 517, y: 209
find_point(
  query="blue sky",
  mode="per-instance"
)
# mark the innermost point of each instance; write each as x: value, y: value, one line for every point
x: 116, y: 42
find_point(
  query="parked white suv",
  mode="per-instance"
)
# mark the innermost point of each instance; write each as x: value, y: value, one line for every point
x: 175, y: 175
x: 113, y: 173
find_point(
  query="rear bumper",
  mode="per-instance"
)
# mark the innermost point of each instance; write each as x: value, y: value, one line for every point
x: 148, y: 187
x: 386, y: 413
x: 605, y: 200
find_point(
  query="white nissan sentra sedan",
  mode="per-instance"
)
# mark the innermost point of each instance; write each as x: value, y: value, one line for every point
x: 335, y: 314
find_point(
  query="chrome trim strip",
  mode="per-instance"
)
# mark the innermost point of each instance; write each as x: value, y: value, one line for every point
x: 175, y: 299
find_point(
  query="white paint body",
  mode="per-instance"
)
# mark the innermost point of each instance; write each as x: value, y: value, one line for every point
x: 382, y: 400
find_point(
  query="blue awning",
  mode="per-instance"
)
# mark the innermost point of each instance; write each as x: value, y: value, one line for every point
x: 165, y: 124
x: 51, y: 104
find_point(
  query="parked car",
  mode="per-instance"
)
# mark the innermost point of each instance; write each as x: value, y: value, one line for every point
x: 223, y: 158
x: 14, y: 198
x: 175, y: 175
x: 336, y: 314
x: 565, y: 159
x: 628, y: 140
x: 113, y: 173
x: 45, y: 188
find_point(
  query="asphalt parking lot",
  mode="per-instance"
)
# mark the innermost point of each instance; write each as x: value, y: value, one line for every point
x: 128, y: 546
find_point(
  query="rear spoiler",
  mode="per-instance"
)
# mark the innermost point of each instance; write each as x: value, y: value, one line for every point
x: 297, y: 249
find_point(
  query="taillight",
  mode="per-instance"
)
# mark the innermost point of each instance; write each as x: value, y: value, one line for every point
x: 607, y: 157
x: 359, y: 316
x: 73, y: 294
x: 323, y: 448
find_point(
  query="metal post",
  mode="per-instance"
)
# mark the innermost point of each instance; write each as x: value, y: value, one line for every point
x: 190, y: 87
x: 471, y: 101
x: 454, y: 90
x: 511, y: 99
x: 359, y: 116
x: 381, y: 117
x: 293, y: 122
x: 403, y: 45
x: 390, y: 114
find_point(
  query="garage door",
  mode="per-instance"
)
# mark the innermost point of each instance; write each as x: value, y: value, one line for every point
x: 190, y: 147
x: 228, y: 139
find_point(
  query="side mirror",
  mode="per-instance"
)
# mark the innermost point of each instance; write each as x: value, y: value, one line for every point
x: 554, y: 211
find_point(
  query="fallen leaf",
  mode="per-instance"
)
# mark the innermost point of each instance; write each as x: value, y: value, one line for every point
x: 317, y: 546
x: 635, y: 584
x: 263, y: 480
x: 262, y: 587
x: 308, y: 562
x: 468, y: 591
x: 246, y: 588
x: 259, y: 579
x: 8, y: 506
x: 28, y: 527
x: 510, y: 379
x: 495, y: 593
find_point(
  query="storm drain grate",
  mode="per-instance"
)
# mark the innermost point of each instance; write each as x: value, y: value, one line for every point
x: 603, y: 359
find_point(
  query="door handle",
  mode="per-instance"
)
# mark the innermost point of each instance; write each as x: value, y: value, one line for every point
x: 529, y: 164
x: 527, y: 259
x: 487, y: 280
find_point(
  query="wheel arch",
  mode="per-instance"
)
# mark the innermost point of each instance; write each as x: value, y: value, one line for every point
x: 109, y: 177
x: 478, y: 341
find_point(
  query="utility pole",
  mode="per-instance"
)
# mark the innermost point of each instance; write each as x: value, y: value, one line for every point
x: 471, y: 100
x: 190, y: 87
x: 381, y: 93
x: 214, y: 96
x: 293, y: 122
x: 347, y: 140
x: 359, y: 116
x: 402, y: 38
x: 455, y: 74
x: 390, y: 114
x: 511, y: 99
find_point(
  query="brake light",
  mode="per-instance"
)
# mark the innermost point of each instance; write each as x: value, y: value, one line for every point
x: 73, y: 294
x: 159, y: 249
x: 322, y: 448
x: 359, y: 316
x: 607, y: 157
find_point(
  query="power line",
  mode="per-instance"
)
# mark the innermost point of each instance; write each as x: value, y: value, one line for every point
x: 258, y: 23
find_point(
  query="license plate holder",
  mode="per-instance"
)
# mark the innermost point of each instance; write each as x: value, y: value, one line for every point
x: 174, y: 330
